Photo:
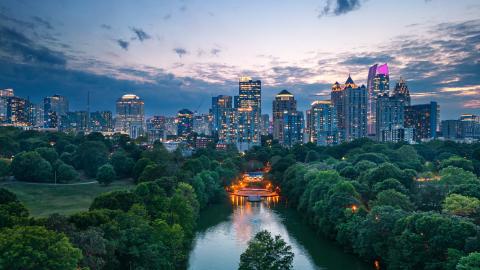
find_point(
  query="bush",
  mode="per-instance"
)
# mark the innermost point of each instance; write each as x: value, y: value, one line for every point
x: 106, y: 174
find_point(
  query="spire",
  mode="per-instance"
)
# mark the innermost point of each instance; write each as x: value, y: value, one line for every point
x: 285, y: 92
x: 349, y: 80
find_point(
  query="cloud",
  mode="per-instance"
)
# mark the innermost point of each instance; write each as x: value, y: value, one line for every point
x: 339, y: 7
x: 167, y: 16
x: 472, y: 104
x: 42, y: 22
x: 183, y: 8
x: 123, y: 44
x: 140, y: 34
x: 368, y: 59
x: 215, y: 51
x: 17, y: 46
x: 180, y: 51
x: 106, y: 26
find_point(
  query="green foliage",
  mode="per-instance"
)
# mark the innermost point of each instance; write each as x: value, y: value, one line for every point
x: 460, y: 205
x: 122, y: 164
x: 48, y: 153
x: 30, y: 166
x: 458, y: 162
x: 106, y: 174
x: 115, y: 200
x: 66, y: 173
x: 4, y: 167
x: 393, y: 198
x: 470, y: 262
x: 267, y: 252
x: 23, y: 248
x: 90, y: 156
x: 7, y: 196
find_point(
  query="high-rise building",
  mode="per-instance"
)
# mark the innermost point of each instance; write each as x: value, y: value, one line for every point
x: 378, y: 83
x: 250, y: 100
x: 337, y: 96
x: 389, y: 116
x: 130, y: 116
x: 156, y: 128
x: 101, y: 121
x: 54, y: 108
x: 424, y: 118
x: 4, y: 95
x: 322, y: 118
x: 286, y: 120
x: 245, y: 133
x: 451, y: 129
x: 36, y: 115
x: 74, y: 121
x: 469, y: 126
x: 265, y: 124
x: 221, y: 105
x: 18, y: 111
x: 184, y: 123
x: 171, y: 127
x: 355, y: 102
x: 402, y: 92
x: 202, y: 124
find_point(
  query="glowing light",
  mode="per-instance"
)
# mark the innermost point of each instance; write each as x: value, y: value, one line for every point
x: 354, y: 208
x: 376, y: 263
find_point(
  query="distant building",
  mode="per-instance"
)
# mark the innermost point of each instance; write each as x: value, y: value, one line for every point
x: 355, y: 102
x: 337, y: 96
x: 389, y: 116
x: 322, y: 119
x: 4, y: 95
x: 18, y: 112
x: 54, y: 108
x: 171, y: 127
x: 130, y: 116
x: 249, y: 101
x: 378, y: 83
x: 469, y: 126
x: 74, y: 122
x: 424, y: 118
x: 451, y: 129
x: 202, y: 124
x: 156, y: 128
x: 265, y: 127
x: 202, y: 142
x: 221, y: 106
x: 184, y: 123
x: 245, y: 133
x: 287, y: 123
x: 401, y: 91
x: 101, y: 121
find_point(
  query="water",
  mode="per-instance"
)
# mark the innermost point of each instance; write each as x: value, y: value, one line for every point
x: 224, y: 230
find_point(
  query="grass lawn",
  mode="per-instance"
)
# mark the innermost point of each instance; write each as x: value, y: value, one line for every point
x: 43, y: 200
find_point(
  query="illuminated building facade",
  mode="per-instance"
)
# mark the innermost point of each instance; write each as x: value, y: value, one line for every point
x: 322, y: 118
x: 202, y: 124
x: 378, y: 83
x: 130, y: 116
x: 156, y: 128
x: 469, y: 126
x: 424, y: 118
x: 265, y: 126
x: 54, y: 108
x: 287, y: 122
x: 4, y: 95
x: 355, y: 102
x: 389, y: 116
x: 184, y: 123
x: 101, y: 121
x: 18, y: 112
x: 250, y: 100
x: 337, y: 96
x: 221, y: 107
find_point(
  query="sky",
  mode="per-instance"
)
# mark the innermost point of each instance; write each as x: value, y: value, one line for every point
x: 178, y: 54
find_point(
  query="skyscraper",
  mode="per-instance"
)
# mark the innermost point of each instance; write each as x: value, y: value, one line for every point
x: 451, y: 129
x: 286, y: 119
x: 202, y: 124
x: 101, y: 121
x: 184, y: 123
x: 401, y: 91
x: 54, y: 108
x: 4, y: 95
x: 355, y: 102
x: 389, y: 117
x: 323, y: 123
x: 18, y: 111
x: 264, y: 124
x: 424, y: 118
x: 469, y: 126
x: 221, y: 107
x: 250, y: 100
x: 130, y: 117
x: 156, y: 128
x: 245, y: 133
x: 337, y: 96
x: 378, y: 83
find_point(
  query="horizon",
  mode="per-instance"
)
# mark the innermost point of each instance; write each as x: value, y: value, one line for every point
x: 178, y: 55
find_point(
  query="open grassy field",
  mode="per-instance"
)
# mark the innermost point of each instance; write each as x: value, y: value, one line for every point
x: 45, y: 199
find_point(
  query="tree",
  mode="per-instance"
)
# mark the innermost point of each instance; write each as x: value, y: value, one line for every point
x: 113, y: 200
x: 7, y: 196
x: 460, y: 205
x: 93, y: 247
x: 34, y: 247
x: 470, y: 262
x: 90, y: 156
x: 48, y: 153
x: 266, y: 253
x: 106, y: 174
x: 458, y: 162
x: 4, y: 167
x: 30, y: 166
x: 393, y: 198
x: 66, y: 173
x: 122, y: 164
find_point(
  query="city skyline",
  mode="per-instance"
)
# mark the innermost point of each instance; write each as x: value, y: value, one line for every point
x: 49, y: 48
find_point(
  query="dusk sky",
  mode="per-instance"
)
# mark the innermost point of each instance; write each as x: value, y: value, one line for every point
x: 178, y: 54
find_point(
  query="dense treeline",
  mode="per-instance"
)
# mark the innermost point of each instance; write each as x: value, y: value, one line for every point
x: 401, y: 206
x: 148, y: 227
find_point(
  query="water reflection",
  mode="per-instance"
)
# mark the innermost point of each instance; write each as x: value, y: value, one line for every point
x: 224, y: 230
